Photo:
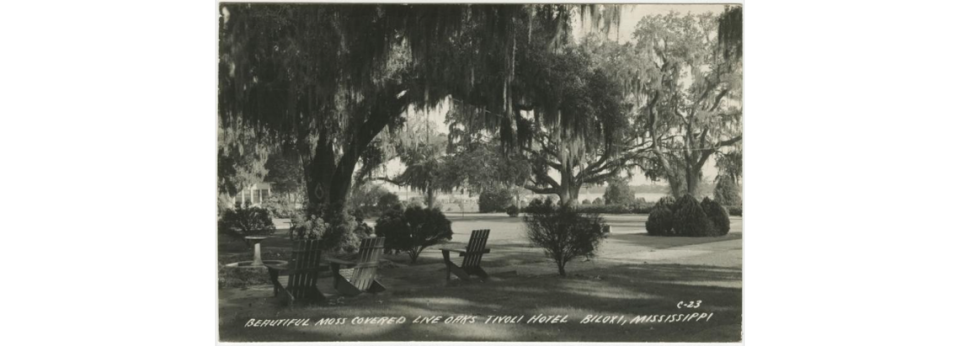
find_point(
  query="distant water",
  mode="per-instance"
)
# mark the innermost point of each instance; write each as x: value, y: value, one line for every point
x: 648, y: 196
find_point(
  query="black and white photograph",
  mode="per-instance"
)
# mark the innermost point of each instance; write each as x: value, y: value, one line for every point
x: 480, y: 172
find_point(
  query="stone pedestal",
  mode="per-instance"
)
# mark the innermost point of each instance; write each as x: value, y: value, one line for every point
x: 257, y: 262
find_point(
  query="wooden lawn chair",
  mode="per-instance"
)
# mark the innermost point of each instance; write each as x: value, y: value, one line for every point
x: 362, y: 276
x: 303, y: 270
x: 471, y: 257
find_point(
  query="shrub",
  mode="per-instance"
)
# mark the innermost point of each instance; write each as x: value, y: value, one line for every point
x: 513, y: 211
x: 598, y: 200
x: 689, y: 219
x: 387, y: 201
x: 413, y: 229
x: 735, y: 210
x: 660, y: 222
x: 412, y: 203
x: 633, y: 208
x: 280, y: 207
x: 585, y: 201
x: 717, y: 215
x: 604, y: 209
x: 243, y: 222
x: 727, y: 191
x: 312, y: 227
x: 342, y: 234
x: 564, y: 233
x: 495, y: 200
x: 363, y: 229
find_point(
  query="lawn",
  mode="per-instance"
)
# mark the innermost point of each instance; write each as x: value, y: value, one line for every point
x: 634, y: 274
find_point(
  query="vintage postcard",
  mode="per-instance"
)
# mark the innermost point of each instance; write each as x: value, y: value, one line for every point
x: 480, y: 172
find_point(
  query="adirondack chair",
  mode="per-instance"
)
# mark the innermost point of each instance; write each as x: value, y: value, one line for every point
x: 303, y: 270
x: 471, y: 257
x: 362, y: 274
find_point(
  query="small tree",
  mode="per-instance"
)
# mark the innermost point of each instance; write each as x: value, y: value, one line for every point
x: 413, y: 229
x: 727, y: 191
x: 564, y: 233
x: 618, y: 192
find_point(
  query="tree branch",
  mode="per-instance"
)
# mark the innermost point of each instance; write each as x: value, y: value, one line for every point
x: 392, y: 181
x: 541, y: 190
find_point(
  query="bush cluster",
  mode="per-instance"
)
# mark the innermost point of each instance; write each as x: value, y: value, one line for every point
x: 688, y: 218
x: 412, y: 230
x: 513, y: 211
x: 241, y: 222
x: 280, y: 207
x: 495, y: 200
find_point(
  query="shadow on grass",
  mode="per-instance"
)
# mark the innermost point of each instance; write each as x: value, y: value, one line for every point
x: 627, y: 290
x: 658, y: 242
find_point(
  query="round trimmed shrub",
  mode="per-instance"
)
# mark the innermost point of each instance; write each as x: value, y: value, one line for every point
x: 598, y: 201
x: 513, y: 211
x: 660, y: 222
x: 718, y: 215
x: 689, y: 220
x: 494, y: 201
x: 585, y: 201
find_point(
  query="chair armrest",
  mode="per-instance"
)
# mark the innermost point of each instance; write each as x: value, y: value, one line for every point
x: 464, y: 253
x: 339, y: 261
x: 277, y: 267
x: 306, y: 270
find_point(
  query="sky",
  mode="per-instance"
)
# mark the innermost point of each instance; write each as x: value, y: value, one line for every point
x: 630, y: 16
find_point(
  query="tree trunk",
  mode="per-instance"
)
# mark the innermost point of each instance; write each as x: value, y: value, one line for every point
x: 569, y: 190
x: 693, y: 181
x: 430, y: 197
x: 328, y: 178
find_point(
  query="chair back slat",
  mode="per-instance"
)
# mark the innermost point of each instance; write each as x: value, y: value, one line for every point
x: 478, y: 242
x: 306, y: 255
x: 366, y: 270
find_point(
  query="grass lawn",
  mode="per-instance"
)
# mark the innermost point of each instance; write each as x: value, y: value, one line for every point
x: 634, y: 274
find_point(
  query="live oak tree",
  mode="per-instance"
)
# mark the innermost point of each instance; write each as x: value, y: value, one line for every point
x: 582, y: 126
x: 241, y: 159
x: 422, y: 149
x: 329, y: 79
x: 690, y: 88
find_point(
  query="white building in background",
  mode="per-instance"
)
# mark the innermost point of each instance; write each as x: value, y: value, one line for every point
x: 255, y: 194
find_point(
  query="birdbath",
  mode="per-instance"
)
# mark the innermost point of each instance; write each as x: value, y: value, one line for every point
x: 257, y: 262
